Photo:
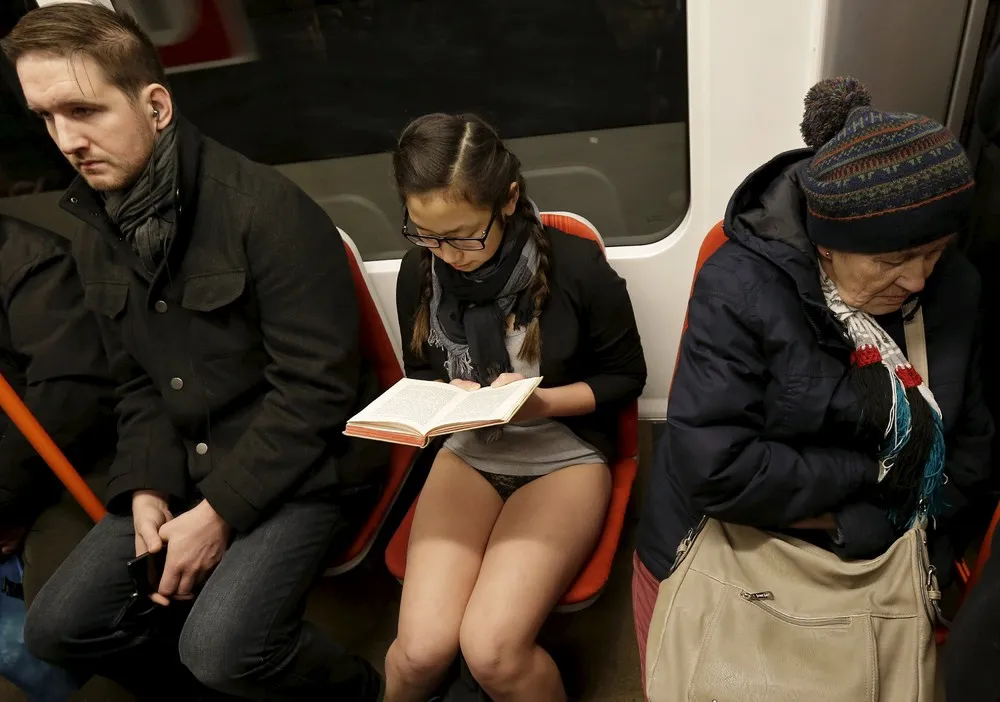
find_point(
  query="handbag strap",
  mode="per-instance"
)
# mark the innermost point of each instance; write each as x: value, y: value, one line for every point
x: 916, y: 344
x: 916, y: 354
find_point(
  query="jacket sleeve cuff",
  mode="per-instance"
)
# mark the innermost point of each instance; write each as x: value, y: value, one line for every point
x: 863, y: 531
x: 425, y: 374
x: 123, y: 480
x: 236, y: 508
x: 613, y: 388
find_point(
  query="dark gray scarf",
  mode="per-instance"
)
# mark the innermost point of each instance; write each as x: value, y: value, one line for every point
x: 475, y: 354
x: 469, y: 311
x: 145, y: 212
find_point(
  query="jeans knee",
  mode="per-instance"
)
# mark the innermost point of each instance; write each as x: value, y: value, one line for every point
x: 422, y: 658
x: 47, y: 635
x: 495, y: 661
x: 217, y: 658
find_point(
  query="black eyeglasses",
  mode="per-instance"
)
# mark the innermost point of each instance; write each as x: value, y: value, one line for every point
x: 472, y: 243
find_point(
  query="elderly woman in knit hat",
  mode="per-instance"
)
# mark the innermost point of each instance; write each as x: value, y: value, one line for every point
x: 794, y: 404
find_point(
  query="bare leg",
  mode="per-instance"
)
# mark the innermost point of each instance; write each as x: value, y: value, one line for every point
x: 454, y: 518
x: 543, y: 536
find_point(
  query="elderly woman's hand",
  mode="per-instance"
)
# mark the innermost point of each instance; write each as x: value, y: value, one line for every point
x: 863, y: 530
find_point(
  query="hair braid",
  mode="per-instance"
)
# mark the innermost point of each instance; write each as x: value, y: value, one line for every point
x: 422, y: 319
x: 531, y: 348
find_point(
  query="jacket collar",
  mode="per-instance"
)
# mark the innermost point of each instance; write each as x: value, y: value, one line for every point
x: 81, y: 201
x: 189, y: 146
x: 85, y: 204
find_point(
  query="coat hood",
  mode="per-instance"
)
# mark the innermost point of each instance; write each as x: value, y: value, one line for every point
x: 767, y: 215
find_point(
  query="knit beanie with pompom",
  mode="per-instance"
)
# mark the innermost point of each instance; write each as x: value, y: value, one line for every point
x: 879, y: 182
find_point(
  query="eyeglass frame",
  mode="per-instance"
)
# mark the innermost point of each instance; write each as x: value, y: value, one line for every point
x: 481, y: 240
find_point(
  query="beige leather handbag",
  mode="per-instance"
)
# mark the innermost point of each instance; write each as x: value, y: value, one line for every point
x: 753, y: 616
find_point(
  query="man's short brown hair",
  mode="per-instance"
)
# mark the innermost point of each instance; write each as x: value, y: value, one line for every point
x: 115, y: 41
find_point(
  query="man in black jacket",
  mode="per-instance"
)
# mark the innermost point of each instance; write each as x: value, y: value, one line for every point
x: 51, y: 354
x: 224, y: 294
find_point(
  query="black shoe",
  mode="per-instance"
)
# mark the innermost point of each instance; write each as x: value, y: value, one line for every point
x: 375, y: 688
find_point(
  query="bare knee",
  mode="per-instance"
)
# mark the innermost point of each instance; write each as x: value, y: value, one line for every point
x: 496, y: 660
x: 423, y: 658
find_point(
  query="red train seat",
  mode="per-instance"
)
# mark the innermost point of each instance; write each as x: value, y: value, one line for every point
x: 377, y: 348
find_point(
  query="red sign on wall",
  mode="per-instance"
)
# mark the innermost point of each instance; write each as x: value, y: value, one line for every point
x: 190, y: 34
x: 211, y: 33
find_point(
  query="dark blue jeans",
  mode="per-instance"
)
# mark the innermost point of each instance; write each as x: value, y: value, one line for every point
x: 243, y: 636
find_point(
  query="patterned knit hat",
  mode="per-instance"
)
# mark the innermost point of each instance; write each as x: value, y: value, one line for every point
x: 879, y: 181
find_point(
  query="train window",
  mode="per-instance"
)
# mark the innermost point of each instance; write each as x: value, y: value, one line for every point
x: 591, y: 94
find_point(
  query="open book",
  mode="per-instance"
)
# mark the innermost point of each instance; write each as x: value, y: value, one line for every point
x: 412, y: 412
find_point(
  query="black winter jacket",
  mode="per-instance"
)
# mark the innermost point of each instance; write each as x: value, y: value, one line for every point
x: 52, y: 356
x: 242, y: 349
x: 761, y: 424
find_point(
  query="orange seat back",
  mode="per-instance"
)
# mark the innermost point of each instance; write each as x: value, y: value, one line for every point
x: 572, y: 224
x: 628, y: 420
x: 375, y: 342
x: 378, y: 350
x: 712, y: 243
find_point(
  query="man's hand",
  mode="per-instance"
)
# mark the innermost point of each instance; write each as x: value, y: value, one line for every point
x: 11, y: 539
x: 534, y: 407
x: 149, y: 513
x: 195, y: 542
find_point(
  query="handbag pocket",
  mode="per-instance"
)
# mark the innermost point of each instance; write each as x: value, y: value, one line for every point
x: 757, y: 653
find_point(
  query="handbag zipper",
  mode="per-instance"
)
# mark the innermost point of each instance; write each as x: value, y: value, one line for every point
x: 686, y: 543
x: 757, y: 598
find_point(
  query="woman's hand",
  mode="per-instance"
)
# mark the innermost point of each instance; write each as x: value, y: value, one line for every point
x: 534, y: 407
x: 464, y: 384
x: 506, y: 379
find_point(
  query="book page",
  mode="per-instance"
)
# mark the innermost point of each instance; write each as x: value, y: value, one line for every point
x: 411, y: 402
x: 488, y: 404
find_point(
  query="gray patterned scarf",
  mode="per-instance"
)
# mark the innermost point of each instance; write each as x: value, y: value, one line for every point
x: 459, y: 364
x: 144, y: 213
x: 469, y: 325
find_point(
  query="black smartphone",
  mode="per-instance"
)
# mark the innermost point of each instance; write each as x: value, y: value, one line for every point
x: 146, y: 571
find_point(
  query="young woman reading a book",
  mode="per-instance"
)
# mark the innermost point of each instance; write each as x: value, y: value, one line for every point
x: 508, y: 514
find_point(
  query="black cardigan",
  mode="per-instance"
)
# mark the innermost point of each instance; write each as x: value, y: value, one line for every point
x: 588, y: 334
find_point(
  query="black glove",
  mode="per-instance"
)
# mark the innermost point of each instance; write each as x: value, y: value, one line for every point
x: 863, y: 531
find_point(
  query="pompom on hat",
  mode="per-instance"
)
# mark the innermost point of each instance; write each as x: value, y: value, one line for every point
x: 879, y: 181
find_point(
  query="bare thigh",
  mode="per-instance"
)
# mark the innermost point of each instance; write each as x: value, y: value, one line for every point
x: 544, y: 534
x: 455, y: 515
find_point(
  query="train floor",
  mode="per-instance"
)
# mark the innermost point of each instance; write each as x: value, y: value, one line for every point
x: 361, y: 606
